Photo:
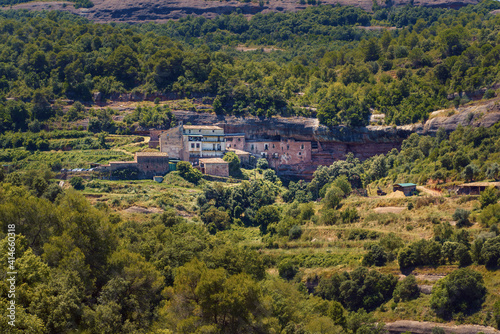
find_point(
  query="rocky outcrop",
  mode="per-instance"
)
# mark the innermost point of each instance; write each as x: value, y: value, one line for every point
x: 162, y: 10
x: 331, y: 144
x: 483, y: 114
x: 418, y: 327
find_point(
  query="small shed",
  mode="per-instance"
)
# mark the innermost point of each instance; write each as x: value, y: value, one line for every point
x: 158, y: 179
x: 476, y: 188
x: 214, y: 166
x: 408, y: 189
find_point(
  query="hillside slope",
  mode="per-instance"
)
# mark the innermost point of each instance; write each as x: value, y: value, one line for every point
x: 160, y: 10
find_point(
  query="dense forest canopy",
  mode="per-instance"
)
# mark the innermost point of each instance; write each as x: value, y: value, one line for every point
x: 322, y: 58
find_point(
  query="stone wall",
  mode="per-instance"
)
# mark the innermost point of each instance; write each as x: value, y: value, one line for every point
x: 154, y: 138
x: 216, y: 169
x: 172, y: 143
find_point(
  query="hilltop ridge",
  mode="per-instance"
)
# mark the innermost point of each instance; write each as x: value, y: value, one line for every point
x: 161, y: 10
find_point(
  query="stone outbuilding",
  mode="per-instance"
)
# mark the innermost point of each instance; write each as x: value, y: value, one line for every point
x: 214, y: 166
x: 147, y: 164
x: 475, y: 188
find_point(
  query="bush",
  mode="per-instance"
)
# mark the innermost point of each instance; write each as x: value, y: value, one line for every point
x: 462, y: 217
x: 288, y: 269
x: 234, y: 164
x: 361, y: 288
x: 77, y: 183
x: 333, y: 197
x: 407, y: 289
x: 490, y: 252
x: 125, y: 174
x: 462, y: 255
x: 422, y: 252
x: 488, y: 196
x: 262, y: 163
x: 216, y: 220
x: 462, y: 291
x: 490, y: 215
x: 375, y: 256
x: 295, y: 232
x: 187, y: 172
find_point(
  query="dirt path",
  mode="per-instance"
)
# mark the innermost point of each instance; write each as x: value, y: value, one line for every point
x: 390, y: 209
x: 428, y: 191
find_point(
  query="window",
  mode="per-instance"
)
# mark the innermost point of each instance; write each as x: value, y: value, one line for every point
x: 197, y: 145
x: 189, y: 131
x: 300, y: 153
x: 287, y: 147
x: 302, y: 146
x: 273, y: 145
x: 266, y: 147
x: 192, y: 145
x: 213, y: 131
x: 239, y: 139
x: 199, y: 130
x: 252, y: 147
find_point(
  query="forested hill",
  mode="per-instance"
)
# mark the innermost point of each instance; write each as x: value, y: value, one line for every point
x: 426, y: 59
x: 158, y: 10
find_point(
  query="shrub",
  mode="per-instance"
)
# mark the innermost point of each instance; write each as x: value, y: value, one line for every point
x: 333, y: 197
x: 463, y: 256
x: 350, y: 215
x: 490, y: 252
x: 77, y: 183
x: 375, y: 256
x: 407, y: 289
x: 189, y: 173
x: 287, y: 269
x: 490, y: 215
x: 462, y: 217
x: 215, y: 220
x: 488, y: 196
x: 461, y: 291
x: 262, y: 164
x: 234, y: 164
x: 330, y: 217
x: 361, y: 288
x: 295, y: 232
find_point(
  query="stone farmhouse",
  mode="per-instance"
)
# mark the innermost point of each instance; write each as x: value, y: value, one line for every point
x: 195, y: 142
x: 192, y: 142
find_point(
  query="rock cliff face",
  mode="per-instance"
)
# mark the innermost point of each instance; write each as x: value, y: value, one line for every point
x: 161, y: 10
x: 331, y: 144
x: 418, y: 327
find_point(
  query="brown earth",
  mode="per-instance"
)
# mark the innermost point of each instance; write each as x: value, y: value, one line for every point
x: 161, y: 10
x: 390, y: 209
x: 419, y: 327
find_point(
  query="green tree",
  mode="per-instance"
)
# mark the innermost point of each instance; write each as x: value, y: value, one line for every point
x: 461, y: 216
x: 267, y: 215
x: 234, y: 164
x: 461, y: 291
x: 77, y: 183
x: 406, y: 290
x: 333, y: 197
x: 262, y: 163
x: 489, y: 196
x: 287, y: 269
x: 189, y: 173
x: 216, y: 220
